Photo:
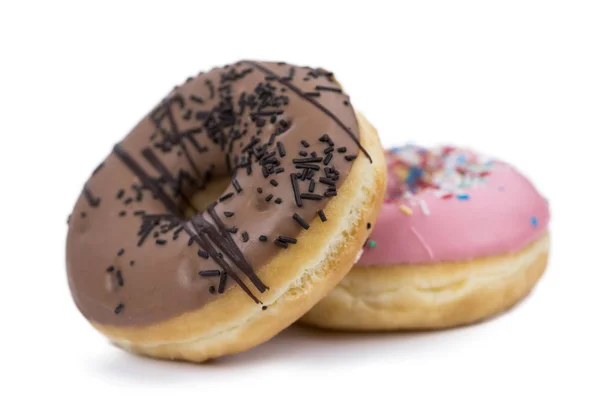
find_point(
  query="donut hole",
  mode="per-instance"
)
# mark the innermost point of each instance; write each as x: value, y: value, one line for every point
x: 213, y: 190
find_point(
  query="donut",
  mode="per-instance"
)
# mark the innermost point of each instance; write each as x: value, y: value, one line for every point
x: 227, y: 212
x: 460, y: 237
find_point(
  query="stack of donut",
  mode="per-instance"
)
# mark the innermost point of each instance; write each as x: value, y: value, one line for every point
x: 246, y: 196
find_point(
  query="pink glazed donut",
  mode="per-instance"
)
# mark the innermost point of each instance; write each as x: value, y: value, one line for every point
x: 460, y: 237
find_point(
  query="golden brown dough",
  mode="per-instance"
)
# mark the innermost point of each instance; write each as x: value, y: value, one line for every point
x: 431, y: 296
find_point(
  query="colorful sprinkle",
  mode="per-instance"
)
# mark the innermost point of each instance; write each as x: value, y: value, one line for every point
x: 424, y: 207
x: 406, y: 210
x: 448, y: 171
x: 534, y: 221
x: 372, y: 243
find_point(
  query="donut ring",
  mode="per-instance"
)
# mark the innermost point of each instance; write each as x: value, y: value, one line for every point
x: 459, y: 238
x: 164, y: 277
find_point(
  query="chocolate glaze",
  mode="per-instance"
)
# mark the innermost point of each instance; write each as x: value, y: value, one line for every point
x: 134, y: 258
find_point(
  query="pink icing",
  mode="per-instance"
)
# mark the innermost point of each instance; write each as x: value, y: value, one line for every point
x: 503, y: 213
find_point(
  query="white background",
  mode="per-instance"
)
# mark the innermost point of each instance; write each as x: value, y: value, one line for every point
x: 516, y: 79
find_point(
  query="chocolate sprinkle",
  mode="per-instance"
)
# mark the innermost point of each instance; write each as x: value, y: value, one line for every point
x: 301, y: 221
x: 119, y: 308
x: 209, y: 273
x: 236, y: 185
x: 314, y: 197
x: 281, y: 149
x: 327, y: 88
x: 327, y: 181
x: 281, y: 244
x: 326, y: 139
x: 307, y: 160
x: 92, y: 200
x: 308, y: 166
x: 286, y: 239
x: 222, y: 282
x: 296, y: 190
x: 119, y: 277
x: 226, y: 196
x: 322, y: 215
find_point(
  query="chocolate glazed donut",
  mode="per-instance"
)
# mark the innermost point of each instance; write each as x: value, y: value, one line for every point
x: 163, y: 273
